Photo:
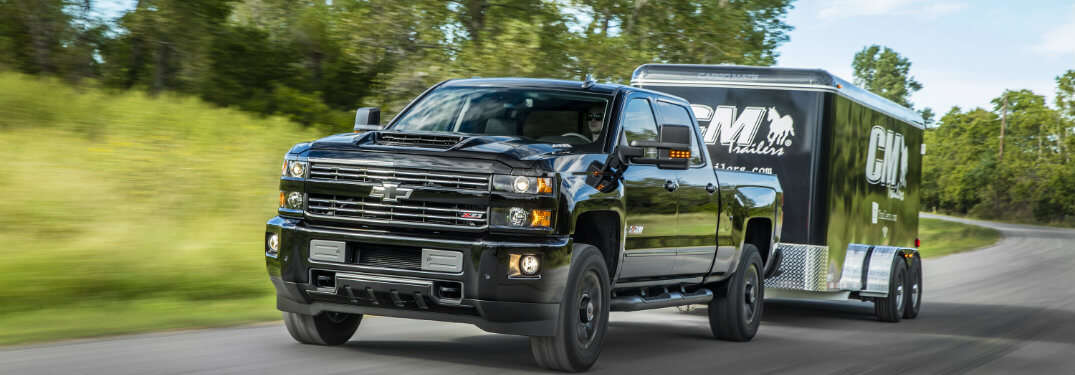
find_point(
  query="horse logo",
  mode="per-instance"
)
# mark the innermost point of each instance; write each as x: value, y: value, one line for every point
x: 780, y: 128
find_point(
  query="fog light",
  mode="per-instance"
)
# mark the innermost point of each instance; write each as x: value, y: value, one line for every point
x: 529, y: 265
x: 274, y: 242
x: 294, y: 200
x: 522, y: 184
x: 517, y: 216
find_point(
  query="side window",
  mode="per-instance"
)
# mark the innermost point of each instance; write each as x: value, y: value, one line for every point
x: 638, y: 121
x: 676, y: 114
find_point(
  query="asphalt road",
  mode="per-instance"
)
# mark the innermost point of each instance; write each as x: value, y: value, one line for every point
x: 1009, y: 308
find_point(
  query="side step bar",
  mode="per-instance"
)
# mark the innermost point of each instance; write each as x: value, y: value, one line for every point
x: 667, y: 299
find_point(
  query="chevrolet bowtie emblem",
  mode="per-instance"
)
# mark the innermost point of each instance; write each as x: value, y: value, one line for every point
x: 390, y: 192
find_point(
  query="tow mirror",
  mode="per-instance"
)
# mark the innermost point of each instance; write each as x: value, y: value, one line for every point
x: 367, y: 119
x: 672, y: 151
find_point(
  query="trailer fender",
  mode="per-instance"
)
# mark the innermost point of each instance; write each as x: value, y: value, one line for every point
x: 867, y: 268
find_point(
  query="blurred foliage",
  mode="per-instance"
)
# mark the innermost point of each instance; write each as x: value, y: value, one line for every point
x: 1034, y: 181
x: 120, y: 198
x: 316, y: 61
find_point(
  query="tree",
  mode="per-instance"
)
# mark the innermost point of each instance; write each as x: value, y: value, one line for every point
x: 884, y: 72
x: 1065, y: 93
x: 622, y: 34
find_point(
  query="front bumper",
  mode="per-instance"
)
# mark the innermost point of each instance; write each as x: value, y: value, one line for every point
x: 488, y: 297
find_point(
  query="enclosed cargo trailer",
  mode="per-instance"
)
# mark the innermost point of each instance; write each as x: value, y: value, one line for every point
x: 849, y: 162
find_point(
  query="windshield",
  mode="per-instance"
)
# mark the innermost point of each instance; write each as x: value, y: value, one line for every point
x: 547, y: 116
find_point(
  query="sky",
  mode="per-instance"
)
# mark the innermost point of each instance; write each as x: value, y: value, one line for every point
x: 965, y: 53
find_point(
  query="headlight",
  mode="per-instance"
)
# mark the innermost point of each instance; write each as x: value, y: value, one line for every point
x: 294, y: 200
x: 294, y: 168
x: 523, y: 185
x: 521, y: 218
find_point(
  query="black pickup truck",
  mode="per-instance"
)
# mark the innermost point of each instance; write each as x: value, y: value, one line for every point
x: 522, y: 206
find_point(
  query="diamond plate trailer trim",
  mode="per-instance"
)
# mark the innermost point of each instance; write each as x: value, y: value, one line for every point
x: 804, y: 267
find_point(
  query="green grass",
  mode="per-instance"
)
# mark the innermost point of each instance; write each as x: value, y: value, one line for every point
x: 125, y: 213
x: 942, y: 237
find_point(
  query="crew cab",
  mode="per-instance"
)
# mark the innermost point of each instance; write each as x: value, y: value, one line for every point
x: 523, y: 206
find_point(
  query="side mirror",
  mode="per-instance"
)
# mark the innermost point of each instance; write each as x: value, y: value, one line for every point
x: 367, y: 119
x: 673, y: 151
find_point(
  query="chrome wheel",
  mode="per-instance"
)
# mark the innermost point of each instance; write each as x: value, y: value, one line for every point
x: 899, y: 293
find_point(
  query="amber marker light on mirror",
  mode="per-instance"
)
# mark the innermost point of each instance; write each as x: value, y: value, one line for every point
x: 679, y: 154
x: 541, y: 218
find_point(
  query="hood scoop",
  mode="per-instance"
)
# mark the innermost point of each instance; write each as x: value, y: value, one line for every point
x: 443, y: 142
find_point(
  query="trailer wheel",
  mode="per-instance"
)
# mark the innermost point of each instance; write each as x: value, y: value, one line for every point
x: 580, y: 333
x: 736, y: 315
x: 327, y: 328
x: 891, y: 308
x: 914, y: 289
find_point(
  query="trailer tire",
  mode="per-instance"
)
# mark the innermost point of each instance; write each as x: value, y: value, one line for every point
x: 914, y: 289
x: 736, y: 315
x: 891, y: 308
x: 327, y: 328
x: 580, y: 332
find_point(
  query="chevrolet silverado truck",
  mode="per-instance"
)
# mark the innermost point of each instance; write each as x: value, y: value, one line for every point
x: 523, y: 206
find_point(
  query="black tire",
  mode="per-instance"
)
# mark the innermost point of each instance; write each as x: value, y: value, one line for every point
x: 914, y: 289
x: 580, y: 333
x: 890, y: 309
x: 328, y: 328
x: 736, y: 315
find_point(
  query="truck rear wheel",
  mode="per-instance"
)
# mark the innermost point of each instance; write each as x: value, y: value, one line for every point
x: 580, y: 333
x: 890, y: 309
x: 914, y: 289
x: 327, y: 328
x: 736, y: 315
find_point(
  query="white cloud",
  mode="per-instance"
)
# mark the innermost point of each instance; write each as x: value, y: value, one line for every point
x: 1059, y: 40
x: 839, y: 9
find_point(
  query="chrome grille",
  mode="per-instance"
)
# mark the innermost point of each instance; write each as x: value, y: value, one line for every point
x: 405, y: 177
x: 378, y: 211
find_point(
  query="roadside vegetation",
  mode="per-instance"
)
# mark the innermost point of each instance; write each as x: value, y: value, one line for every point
x: 125, y: 213
x: 943, y: 237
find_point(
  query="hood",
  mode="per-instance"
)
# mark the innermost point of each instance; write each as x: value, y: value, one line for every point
x: 515, y: 151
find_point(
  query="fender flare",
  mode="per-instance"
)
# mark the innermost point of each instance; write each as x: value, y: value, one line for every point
x: 867, y: 268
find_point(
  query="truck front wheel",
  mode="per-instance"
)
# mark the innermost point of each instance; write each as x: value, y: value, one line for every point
x: 327, y: 328
x: 736, y: 315
x: 580, y: 333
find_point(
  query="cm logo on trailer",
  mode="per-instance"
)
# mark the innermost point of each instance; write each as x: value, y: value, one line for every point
x: 886, y: 161
x: 739, y: 131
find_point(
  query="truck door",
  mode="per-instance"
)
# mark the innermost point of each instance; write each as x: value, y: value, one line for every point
x: 650, y: 247
x: 696, y: 233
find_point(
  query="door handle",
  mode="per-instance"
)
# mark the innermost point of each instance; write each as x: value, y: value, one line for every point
x: 671, y: 185
x: 711, y: 188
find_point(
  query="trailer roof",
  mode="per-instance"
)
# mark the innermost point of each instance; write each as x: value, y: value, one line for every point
x: 769, y: 77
